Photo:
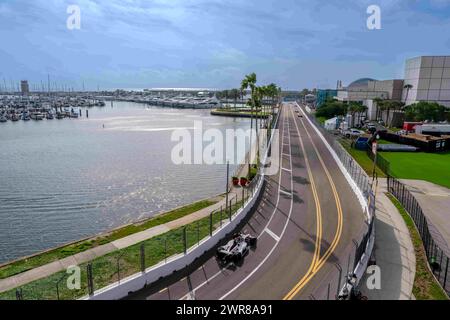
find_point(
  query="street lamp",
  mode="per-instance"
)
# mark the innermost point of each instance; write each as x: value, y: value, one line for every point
x: 375, y: 152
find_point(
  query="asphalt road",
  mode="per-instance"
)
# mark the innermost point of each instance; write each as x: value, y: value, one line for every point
x: 305, y: 222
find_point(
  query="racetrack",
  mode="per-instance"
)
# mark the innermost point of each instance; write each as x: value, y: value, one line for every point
x: 306, y: 222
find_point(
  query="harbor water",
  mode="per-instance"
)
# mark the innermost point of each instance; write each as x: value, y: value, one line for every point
x: 63, y: 180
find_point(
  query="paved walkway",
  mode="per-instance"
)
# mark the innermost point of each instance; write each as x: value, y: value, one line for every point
x: 394, y: 252
x: 435, y: 203
x: 88, y: 255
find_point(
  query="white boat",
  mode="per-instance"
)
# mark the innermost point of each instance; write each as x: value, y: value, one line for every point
x: 37, y: 116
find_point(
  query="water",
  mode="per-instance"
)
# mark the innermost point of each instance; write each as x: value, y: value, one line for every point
x: 62, y: 180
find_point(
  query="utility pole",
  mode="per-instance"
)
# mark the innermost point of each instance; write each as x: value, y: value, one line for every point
x: 228, y: 179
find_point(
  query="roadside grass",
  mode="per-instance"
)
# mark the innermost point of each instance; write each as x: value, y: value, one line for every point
x: 246, y: 112
x: 425, y: 286
x: 69, y: 250
x: 122, y: 263
x: 381, y: 141
x: 321, y: 120
x: 431, y: 167
x: 362, y: 158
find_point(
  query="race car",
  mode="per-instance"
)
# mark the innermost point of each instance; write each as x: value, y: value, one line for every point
x: 236, y: 248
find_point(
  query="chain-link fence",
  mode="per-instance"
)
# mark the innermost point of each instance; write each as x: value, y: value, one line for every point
x: 354, y: 252
x: 382, y: 163
x: 116, y: 266
x: 438, y: 259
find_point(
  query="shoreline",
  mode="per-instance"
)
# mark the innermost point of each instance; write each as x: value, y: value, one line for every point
x: 109, y: 233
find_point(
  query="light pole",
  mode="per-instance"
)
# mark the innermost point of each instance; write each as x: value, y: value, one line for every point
x: 375, y: 152
x: 228, y: 178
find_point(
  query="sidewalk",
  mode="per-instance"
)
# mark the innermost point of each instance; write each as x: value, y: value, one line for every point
x: 394, y: 252
x: 434, y: 201
x: 88, y: 255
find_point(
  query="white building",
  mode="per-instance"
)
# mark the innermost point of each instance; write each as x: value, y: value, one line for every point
x: 429, y: 77
x: 24, y: 87
x: 367, y: 89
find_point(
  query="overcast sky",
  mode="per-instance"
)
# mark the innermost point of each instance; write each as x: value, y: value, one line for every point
x: 214, y: 43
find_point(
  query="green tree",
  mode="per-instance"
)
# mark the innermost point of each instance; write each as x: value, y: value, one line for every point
x: 332, y: 109
x: 407, y: 87
x: 250, y: 82
x: 423, y: 111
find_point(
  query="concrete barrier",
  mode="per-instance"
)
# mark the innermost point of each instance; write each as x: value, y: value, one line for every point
x: 138, y: 281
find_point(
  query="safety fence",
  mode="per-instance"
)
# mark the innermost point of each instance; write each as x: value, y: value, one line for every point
x: 382, y: 163
x: 155, y: 255
x: 360, y: 250
x: 116, y: 266
x: 437, y: 258
x: 358, y: 255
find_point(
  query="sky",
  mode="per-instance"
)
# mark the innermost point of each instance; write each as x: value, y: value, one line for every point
x: 214, y: 43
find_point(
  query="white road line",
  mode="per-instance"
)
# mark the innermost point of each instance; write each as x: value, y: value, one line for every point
x: 276, y: 244
x: 273, y: 235
x: 286, y: 193
x: 286, y: 169
x: 268, y: 222
x: 162, y: 290
x: 347, y: 175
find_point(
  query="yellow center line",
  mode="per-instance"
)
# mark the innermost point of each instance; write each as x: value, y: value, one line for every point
x: 318, y: 216
x: 317, y: 261
x: 338, y: 206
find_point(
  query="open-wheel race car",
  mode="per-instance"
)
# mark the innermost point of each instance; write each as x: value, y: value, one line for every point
x: 236, y: 248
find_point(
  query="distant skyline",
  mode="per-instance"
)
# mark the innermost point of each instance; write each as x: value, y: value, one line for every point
x: 214, y: 43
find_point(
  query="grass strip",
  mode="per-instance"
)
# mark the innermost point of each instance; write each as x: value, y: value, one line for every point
x: 362, y: 158
x: 23, y: 265
x: 425, y: 286
x: 431, y: 167
x: 122, y: 263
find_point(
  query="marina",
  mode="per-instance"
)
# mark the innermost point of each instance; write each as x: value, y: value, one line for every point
x: 67, y: 180
x: 38, y: 107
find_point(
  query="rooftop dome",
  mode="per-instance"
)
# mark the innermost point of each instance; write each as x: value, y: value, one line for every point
x: 363, y: 82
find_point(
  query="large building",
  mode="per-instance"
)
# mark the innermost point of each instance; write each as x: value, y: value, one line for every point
x: 24, y: 87
x: 369, y: 89
x: 325, y: 94
x: 427, y: 78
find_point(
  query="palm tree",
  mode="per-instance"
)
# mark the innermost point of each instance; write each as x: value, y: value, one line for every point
x: 354, y: 107
x: 393, y: 105
x: 273, y: 89
x: 250, y: 82
x: 379, y: 103
x: 407, y: 87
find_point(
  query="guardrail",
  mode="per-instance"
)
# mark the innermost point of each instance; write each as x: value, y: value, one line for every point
x: 438, y: 260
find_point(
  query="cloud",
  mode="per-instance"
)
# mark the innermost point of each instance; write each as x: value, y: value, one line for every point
x: 296, y: 43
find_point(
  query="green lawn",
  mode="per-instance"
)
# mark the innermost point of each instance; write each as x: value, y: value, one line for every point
x: 105, y: 268
x: 361, y: 157
x: 432, y: 167
x: 321, y: 120
x: 381, y: 141
x: 63, y: 252
x: 425, y: 286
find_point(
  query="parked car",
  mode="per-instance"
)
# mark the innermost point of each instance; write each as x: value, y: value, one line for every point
x: 352, y: 133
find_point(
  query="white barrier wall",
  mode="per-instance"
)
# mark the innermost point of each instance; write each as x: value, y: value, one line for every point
x: 138, y: 281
